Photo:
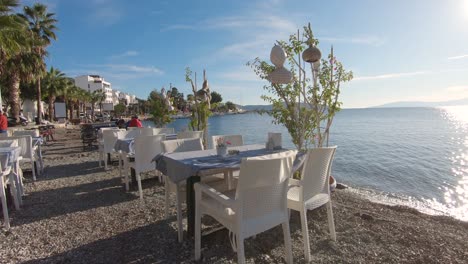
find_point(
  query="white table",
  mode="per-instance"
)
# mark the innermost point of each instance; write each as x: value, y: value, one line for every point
x: 192, y: 165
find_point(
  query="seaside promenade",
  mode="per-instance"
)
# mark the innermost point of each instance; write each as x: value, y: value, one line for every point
x: 79, y: 213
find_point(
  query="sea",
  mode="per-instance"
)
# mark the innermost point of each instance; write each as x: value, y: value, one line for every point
x: 416, y: 157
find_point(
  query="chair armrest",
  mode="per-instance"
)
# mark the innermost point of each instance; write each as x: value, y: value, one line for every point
x: 294, y: 182
x: 213, y: 193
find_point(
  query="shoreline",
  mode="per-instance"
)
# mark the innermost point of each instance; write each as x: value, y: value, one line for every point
x: 79, y: 213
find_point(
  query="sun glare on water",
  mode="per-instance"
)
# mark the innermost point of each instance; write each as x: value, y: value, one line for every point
x: 457, y: 196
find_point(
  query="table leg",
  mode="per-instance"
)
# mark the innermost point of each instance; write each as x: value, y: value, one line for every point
x: 191, y: 205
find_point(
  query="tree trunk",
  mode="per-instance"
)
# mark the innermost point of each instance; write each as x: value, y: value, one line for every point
x: 15, y: 94
x: 39, y: 105
x: 51, y: 108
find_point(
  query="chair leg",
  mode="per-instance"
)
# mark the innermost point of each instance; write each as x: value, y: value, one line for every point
x: 4, y: 203
x: 166, y: 197
x: 33, y: 170
x: 305, y: 234
x: 240, y: 249
x: 14, y: 190
x: 127, y: 184
x: 287, y: 242
x: 197, y: 227
x: 331, y: 222
x: 120, y: 165
x: 101, y: 156
x: 19, y: 172
x: 105, y: 163
x: 140, y: 188
x: 180, y: 229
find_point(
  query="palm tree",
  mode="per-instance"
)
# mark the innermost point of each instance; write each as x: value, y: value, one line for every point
x: 70, y: 96
x: 19, y: 67
x: 54, y: 83
x: 97, y: 97
x: 42, y: 24
x: 12, y: 32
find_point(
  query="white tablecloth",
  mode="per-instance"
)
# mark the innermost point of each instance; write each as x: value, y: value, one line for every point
x: 8, y: 156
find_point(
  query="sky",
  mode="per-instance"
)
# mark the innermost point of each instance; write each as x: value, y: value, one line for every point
x: 399, y: 50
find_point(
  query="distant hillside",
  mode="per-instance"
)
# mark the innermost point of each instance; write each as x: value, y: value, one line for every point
x: 425, y: 104
x: 255, y: 107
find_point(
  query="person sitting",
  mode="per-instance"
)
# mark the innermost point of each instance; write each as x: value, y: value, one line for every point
x: 3, y: 122
x: 135, y: 122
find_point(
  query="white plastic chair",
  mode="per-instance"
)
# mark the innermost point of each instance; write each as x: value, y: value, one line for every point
x: 190, y: 134
x: 313, y: 190
x: 181, y: 145
x: 148, y: 131
x: 7, y: 177
x: 28, y: 154
x: 146, y: 148
x: 32, y: 133
x: 133, y: 133
x: 164, y: 130
x: 235, y: 140
x: 109, y: 138
x: 36, y: 148
x: 258, y: 204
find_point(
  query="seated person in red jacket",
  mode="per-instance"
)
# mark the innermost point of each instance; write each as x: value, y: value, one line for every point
x: 135, y: 122
x: 3, y: 122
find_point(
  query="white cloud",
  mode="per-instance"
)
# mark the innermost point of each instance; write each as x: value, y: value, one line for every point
x: 128, y: 53
x: 117, y: 71
x: 458, y: 57
x: 369, y: 40
x: 457, y: 88
x: 389, y: 75
x: 135, y: 68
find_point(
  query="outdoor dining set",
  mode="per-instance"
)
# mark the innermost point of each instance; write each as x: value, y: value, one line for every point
x: 249, y: 189
x: 18, y: 146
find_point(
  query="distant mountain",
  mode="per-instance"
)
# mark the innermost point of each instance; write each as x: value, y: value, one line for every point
x: 255, y: 107
x: 425, y: 104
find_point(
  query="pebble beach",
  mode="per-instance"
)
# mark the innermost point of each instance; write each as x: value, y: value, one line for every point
x: 77, y: 212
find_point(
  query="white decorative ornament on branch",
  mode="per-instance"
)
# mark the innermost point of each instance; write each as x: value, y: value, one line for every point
x: 280, y: 75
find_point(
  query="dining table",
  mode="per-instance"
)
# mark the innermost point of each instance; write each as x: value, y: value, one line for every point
x: 190, y: 166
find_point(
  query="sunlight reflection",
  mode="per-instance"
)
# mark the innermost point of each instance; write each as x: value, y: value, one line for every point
x: 456, y: 196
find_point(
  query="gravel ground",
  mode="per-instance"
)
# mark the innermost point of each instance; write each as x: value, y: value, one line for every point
x: 78, y: 213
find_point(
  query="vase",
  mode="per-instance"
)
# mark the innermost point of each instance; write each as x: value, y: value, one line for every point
x: 222, y: 151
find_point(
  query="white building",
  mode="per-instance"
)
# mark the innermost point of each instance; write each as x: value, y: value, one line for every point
x: 93, y: 83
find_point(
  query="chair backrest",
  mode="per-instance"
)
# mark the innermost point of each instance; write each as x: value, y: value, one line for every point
x: 146, y: 148
x: 102, y: 129
x: 316, y: 172
x: 148, y: 131
x: 8, y: 143
x: 190, y: 134
x: 32, y: 133
x: 235, y: 140
x: 262, y: 190
x: 109, y: 138
x: 133, y: 133
x: 180, y: 145
x: 164, y: 130
x: 25, y: 142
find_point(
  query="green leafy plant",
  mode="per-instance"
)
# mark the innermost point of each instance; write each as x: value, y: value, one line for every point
x: 201, y: 108
x: 158, y: 109
x: 307, y: 105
